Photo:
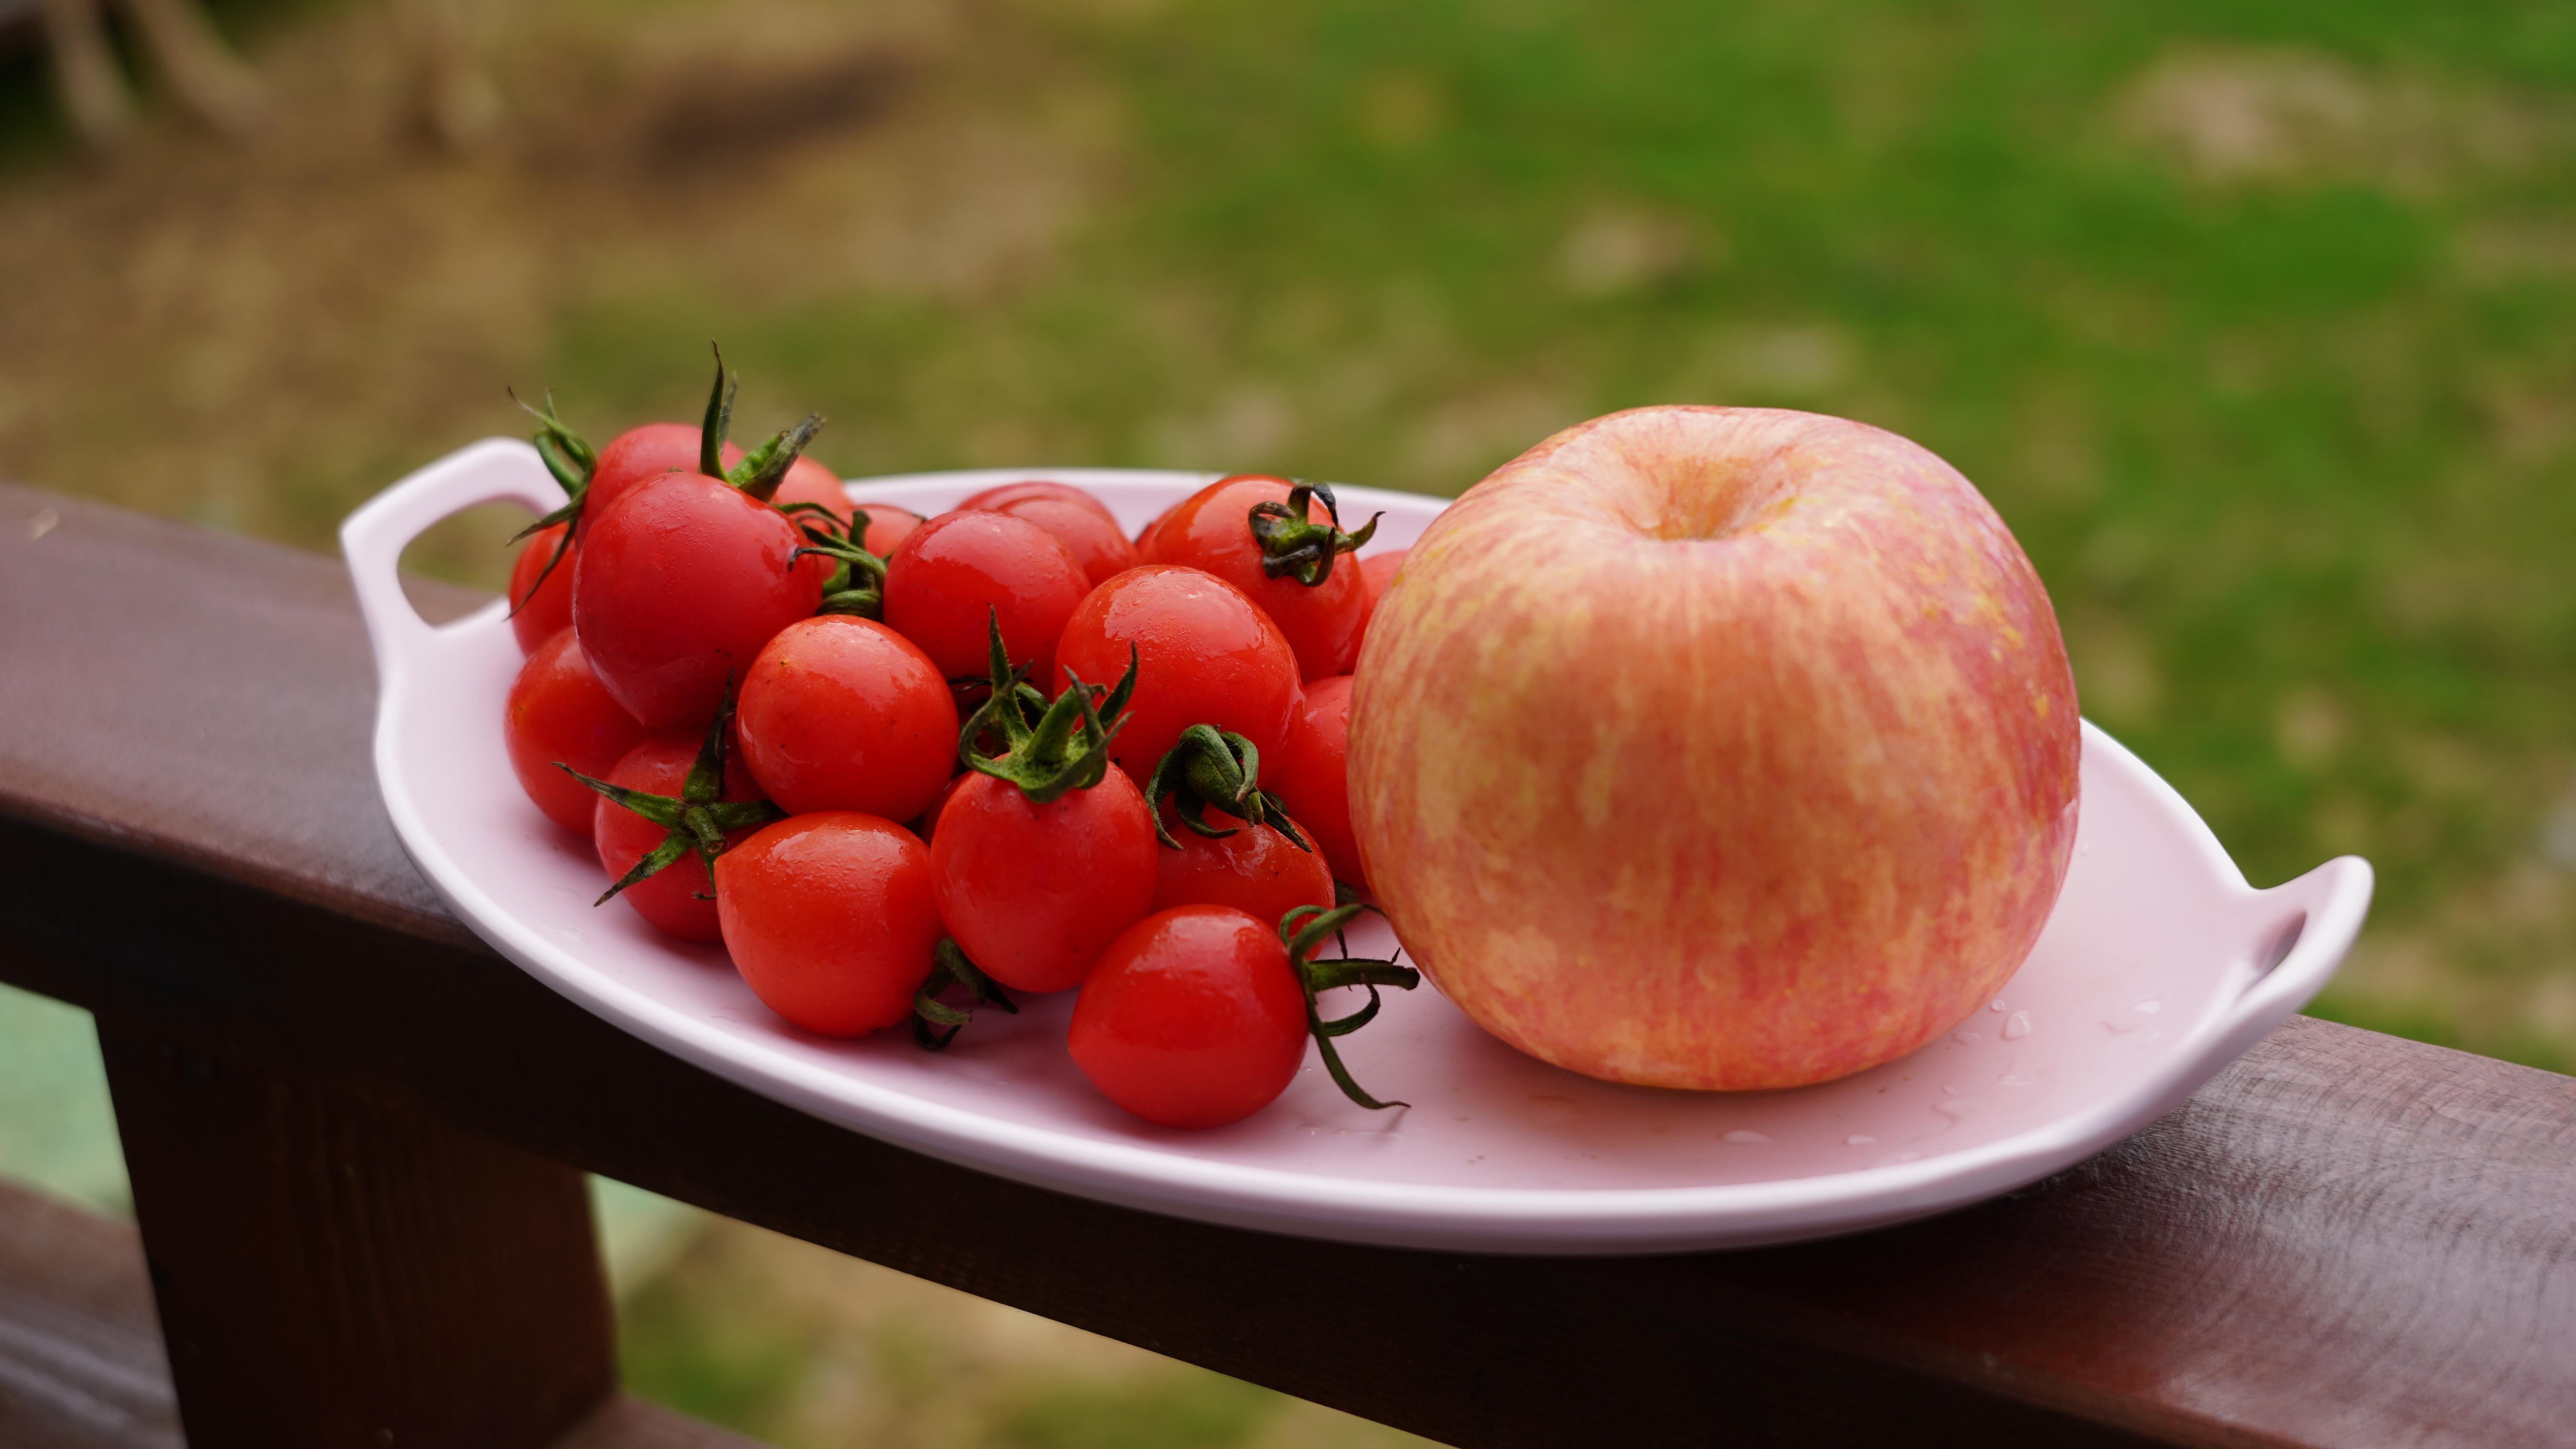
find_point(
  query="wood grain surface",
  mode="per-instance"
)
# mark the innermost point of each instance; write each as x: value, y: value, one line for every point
x: 2345, y: 1239
x: 81, y: 1363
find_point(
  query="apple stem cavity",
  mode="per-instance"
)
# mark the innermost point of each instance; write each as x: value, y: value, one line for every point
x: 696, y: 819
x: 1294, y: 546
x: 952, y: 968
x: 1219, y: 768
x: 1065, y: 748
x: 1304, y: 929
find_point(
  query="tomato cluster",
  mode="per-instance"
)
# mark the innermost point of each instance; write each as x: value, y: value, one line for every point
x: 904, y: 767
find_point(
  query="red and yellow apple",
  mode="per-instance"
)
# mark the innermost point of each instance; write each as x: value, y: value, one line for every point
x: 1720, y: 748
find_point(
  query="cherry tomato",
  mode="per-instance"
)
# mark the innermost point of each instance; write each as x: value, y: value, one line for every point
x: 843, y: 713
x: 1377, y: 571
x: 810, y: 482
x: 558, y: 711
x: 951, y: 574
x: 1192, y: 1018
x: 541, y: 611
x: 1094, y: 542
x: 1145, y: 535
x: 1212, y: 530
x: 1033, y: 892
x: 1205, y: 655
x: 681, y: 583
x: 1255, y: 869
x: 888, y: 526
x: 831, y: 919
x: 1311, y: 777
x: 670, y: 898
x: 640, y: 455
x: 998, y: 498
x: 928, y: 821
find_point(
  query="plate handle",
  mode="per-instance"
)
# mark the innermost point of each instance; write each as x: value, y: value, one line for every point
x: 495, y: 470
x: 2309, y: 925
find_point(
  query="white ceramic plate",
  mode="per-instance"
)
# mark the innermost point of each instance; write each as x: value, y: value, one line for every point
x: 2159, y: 966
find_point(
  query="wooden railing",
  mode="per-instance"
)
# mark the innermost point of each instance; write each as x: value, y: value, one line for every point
x: 355, y: 1137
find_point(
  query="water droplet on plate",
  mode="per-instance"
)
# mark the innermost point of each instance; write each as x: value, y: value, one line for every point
x: 2017, y: 1026
x: 1995, y: 1005
x: 2150, y: 1006
x: 1745, y: 1137
x: 1859, y: 1139
x: 1554, y: 1109
x: 2010, y: 1079
x: 1966, y: 1038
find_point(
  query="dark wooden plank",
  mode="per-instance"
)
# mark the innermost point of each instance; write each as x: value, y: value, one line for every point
x: 332, y: 1270
x: 2346, y: 1239
x: 81, y: 1364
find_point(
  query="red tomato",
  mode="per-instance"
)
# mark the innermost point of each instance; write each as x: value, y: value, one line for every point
x: 1094, y: 542
x: 1205, y: 655
x: 929, y: 819
x: 640, y: 455
x: 1377, y: 572
x: 1145, y: 535
x: 1255, y: 869
x: 831, y: 919
x: 541, y: 611
x: 843, y: 713
x: 1378, y: 569
x: 680, y: 585
x: 887, y: 526
x: 810, y: 482
x: 1310, y: 777
x: 559, y: 712
x: 1192, y: 1018
x: 1033, y: 892
x: 668, y: 898
x: 1212, y: 530
x: 949, y: 575
x: 997, y: 499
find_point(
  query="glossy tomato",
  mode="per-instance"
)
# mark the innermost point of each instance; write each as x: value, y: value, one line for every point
x: 1205, y: 655
x: 559, y: 712
x: 1311, y: 777
x: 888, y: 526
x: 999, y: 498
x: 1094, y: 541
x: 831, y: 919
x: 1377, y: 571
x: 843, y: 713
x: 810, y: 482
x: 1034, y: 891
x: 539, y: 611
x: 1255, y: 869
x: 678, y: 897
x: 1212, y: 530
x: 1193, y: 1017
x: 681, y: 583
x: 952, y: 575
x: 638, y: 456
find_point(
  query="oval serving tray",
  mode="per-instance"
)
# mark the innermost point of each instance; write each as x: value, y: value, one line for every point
x: 2158, y: 967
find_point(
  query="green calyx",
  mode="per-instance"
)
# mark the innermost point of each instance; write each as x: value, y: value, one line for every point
x: 1046, y: 749
x: 857, y: 583
x: 571, y: 460
x: 1209, y: 767
x: 1304, y: 929
x: 763, y: 468
x: 929, y: 1013
x: 1293, y: 546
x: 696, y: 819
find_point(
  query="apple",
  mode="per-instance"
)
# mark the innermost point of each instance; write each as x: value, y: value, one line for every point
x: 1718, y: 748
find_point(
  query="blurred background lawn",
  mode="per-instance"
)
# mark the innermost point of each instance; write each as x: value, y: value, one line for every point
x: 2253, y: 319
